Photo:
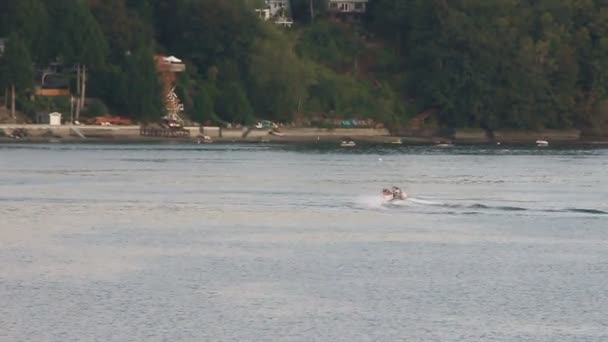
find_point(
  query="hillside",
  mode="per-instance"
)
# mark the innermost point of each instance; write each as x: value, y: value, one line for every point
x: 499, y: 64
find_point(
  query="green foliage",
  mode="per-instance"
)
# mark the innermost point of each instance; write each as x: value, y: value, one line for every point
x: 111, y: 83
x: 502, y: 63
x: 96, y: 108
x: 28, y: 19
x: 122, y: 26
x: 279, y: 79
x: 301, y: 9
x: 203, y: 109
x: 330, y: 45
x: 341, y: 96
x: 208, y: 32
x: 75, y: 36
x: 16, y: 65
x: 47, y: 104
x: 488, y: 64
x: 144, y: 99
x: 232, y: 104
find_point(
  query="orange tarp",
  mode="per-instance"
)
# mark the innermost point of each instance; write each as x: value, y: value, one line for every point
x: 52, y: 92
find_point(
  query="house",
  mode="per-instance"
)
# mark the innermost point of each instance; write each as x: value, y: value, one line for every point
x: 352, y: 7
x: 279, y: 11
x: 52, y: 80
x: 278, y: 7
x: 263, y: 13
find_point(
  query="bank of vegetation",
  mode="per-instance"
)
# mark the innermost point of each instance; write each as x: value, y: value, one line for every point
x: 479, y: 64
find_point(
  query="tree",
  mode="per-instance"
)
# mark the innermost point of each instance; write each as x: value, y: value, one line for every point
x: 307, y: 10
x: 16, y: 71
x: 390, y: 18
x: 145, y: 99
x: 29, y: 19
x: 233, y: 104
x: 489, y: 64
x: 123, y: 28
x: 208, y: 32
x: 91, y: 51
x: 279, y: 79
x: 203, y: 108
x: 77, y: 39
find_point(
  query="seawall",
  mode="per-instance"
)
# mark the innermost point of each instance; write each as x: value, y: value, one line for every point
x: 77, y: 133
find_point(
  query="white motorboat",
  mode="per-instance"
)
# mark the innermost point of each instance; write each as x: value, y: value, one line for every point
x: 395, y: 194
x: 206, y: 140
x: 443, y: 144
x: 542, y: 143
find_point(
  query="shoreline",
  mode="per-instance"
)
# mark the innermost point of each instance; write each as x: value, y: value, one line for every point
x: 361, y: 141
x: 44, y: 134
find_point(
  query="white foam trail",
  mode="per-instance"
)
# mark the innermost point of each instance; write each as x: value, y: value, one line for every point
x: 423, y: 201
x: 404, y: 202
x: 374, y: 202
x: 379, y: 202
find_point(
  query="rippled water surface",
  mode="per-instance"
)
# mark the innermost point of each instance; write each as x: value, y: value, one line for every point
x: 286, y: 243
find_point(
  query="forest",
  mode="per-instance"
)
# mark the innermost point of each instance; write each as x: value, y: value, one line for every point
x: 516, y: 64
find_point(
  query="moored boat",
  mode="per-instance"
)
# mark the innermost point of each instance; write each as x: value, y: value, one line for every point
x: 348, y: 143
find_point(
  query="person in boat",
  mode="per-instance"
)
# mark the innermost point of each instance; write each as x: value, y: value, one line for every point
x: 393, y: 194
x: 397, y: 194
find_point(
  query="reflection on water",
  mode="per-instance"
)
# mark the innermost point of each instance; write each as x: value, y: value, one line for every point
x: 269, y: 242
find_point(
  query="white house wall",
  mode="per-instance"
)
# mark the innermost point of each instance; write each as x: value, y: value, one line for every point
x: 348, y: 6
x: 277, y: 6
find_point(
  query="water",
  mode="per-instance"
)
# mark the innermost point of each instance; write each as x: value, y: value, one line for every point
x: 285, y: 243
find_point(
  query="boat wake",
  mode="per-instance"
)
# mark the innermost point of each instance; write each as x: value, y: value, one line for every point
x: 377, y: 202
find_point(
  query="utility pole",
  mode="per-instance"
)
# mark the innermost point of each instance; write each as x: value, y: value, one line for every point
x: 312, y: 12
x: 71, y: 109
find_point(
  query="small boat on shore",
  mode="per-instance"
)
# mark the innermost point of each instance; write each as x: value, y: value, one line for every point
x: 443, y: 144
x: 346, y: 142
x: 542, y: 143
x: 397, y: 142
x: 206, y: 140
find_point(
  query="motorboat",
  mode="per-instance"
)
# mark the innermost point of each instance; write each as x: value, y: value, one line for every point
x: 442, y: 144
x: 394, y: 194
x: 206, y: 140
x: 542, y: 143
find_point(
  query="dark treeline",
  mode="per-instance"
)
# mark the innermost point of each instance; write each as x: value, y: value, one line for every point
x: 502, y: 63
x: 489, y: 64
